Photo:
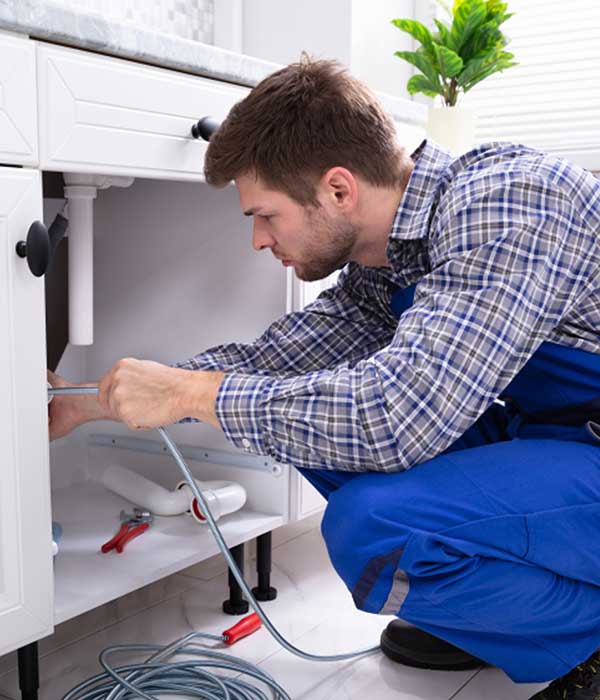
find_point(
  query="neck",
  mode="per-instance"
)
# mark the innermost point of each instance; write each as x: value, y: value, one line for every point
x: 374, y: 222
x: 374, y: 218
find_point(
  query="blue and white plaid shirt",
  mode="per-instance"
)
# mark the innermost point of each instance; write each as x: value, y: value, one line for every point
x: 502, y: 244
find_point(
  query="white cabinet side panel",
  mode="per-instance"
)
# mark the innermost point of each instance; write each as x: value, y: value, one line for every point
x: 26, y: 595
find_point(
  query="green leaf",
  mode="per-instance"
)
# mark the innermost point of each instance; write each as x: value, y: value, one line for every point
x: 496, y: 10
x: 449, y: 63
x: 420, y: 60
x: 468, y: 16
x: 477, y: 69
x: 418, y: 31
x: 495, y: 7
x: 486, y: 40
x: 419, y: 83
x: 444, y: 34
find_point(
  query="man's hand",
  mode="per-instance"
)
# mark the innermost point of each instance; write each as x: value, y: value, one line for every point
x: 67, y: 412
x: 146, y: 394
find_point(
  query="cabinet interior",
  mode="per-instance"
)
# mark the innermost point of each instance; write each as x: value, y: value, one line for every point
x: 174, y: 274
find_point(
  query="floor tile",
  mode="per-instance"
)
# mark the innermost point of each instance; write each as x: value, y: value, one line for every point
x: 493, y: 684
x: 375, y: 676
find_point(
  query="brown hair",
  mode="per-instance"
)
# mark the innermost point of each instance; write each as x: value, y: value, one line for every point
x: 300, y: 121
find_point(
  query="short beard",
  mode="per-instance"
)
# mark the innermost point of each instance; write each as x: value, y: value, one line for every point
x: 334, y: 243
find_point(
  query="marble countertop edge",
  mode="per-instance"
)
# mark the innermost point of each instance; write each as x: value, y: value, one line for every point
x: 90, y: 30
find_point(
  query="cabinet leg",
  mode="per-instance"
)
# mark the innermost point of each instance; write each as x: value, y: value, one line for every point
x: 264, y: 591
x: 236, y: 605
x: 29, y: 676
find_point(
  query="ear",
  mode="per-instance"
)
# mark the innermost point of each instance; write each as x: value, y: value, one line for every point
x: 339, y: 188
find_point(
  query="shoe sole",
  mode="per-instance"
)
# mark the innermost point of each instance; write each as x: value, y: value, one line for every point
x: 432, y: 662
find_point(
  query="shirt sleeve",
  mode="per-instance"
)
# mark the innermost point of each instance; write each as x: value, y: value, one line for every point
x: 508, y: 262
x: 346, y: 323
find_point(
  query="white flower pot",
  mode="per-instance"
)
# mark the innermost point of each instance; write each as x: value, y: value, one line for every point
x: 452, y: 127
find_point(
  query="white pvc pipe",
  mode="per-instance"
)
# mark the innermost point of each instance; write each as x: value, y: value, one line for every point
x: 80, y: 192
x: 223, y: 497
x: 143, y: 492
x: 81, y: 263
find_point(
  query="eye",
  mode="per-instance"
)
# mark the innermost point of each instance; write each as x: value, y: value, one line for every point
x: 266, y: 217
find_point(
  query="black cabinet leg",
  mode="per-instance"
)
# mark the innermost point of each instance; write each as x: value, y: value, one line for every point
x: 29, y: 675
x: 236, y: 605
x: 264, y: 591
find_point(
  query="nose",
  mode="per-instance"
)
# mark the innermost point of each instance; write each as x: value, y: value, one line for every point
x: 261, y: 238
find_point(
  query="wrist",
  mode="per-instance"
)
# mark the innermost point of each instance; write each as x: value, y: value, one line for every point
x: 199, y: 391
x: 86, y: 407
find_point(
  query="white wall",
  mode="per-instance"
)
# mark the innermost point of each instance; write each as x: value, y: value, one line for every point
x: 373, y: 43
x: 356, y: 32
x: 280, y: 31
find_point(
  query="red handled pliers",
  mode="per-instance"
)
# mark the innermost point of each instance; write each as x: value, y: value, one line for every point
x: 133, y: 525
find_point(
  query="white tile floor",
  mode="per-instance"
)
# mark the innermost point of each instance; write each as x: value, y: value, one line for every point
x: 313, y: 610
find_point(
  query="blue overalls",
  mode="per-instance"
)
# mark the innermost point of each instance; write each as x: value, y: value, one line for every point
x: 494, y: 544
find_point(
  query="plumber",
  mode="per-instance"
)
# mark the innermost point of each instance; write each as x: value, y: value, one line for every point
x: 442, y: 395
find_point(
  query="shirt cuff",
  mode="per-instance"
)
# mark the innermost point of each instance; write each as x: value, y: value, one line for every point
x: 241, y: 408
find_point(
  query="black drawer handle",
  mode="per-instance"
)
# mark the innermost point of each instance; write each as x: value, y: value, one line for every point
x: 205, y: 128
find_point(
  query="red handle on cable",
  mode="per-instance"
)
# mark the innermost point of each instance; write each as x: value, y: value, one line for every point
x: 243, y: 628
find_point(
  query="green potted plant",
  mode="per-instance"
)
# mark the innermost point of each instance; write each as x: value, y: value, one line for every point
x: 453, y: 60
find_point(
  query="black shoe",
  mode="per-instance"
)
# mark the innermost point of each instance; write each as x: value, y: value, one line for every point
x: 412, y: 646
x: 582, y: 683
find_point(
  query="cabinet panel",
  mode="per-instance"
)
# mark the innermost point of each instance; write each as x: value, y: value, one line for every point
x: 18, y: 132
x: 106, y: 115
x: 26, y: 600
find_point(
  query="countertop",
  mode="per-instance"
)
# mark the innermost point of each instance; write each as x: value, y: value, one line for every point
x: 50, y: 21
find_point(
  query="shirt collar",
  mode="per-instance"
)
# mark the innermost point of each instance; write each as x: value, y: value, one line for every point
x: 415, y: 209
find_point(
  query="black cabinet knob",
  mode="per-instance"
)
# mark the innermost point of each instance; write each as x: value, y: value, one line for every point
x: 36, y: 249
x: 205, y: 128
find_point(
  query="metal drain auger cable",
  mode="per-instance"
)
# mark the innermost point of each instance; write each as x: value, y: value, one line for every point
x: 178, y: 646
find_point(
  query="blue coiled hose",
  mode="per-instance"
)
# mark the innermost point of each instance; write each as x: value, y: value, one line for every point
x: 156, y: 675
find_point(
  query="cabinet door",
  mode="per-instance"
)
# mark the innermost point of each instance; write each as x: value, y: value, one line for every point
x: 26, y: 595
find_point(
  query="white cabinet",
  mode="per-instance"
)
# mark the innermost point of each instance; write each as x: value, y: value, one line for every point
x: 26, y: 592
x: 18, y: 123
x: 107, y: 115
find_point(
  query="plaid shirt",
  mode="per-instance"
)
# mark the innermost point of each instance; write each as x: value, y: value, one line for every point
x: 502, y: 245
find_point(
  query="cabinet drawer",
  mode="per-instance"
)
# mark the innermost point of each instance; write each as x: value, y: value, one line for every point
x: 106, y: 115
x: 18, y: 132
